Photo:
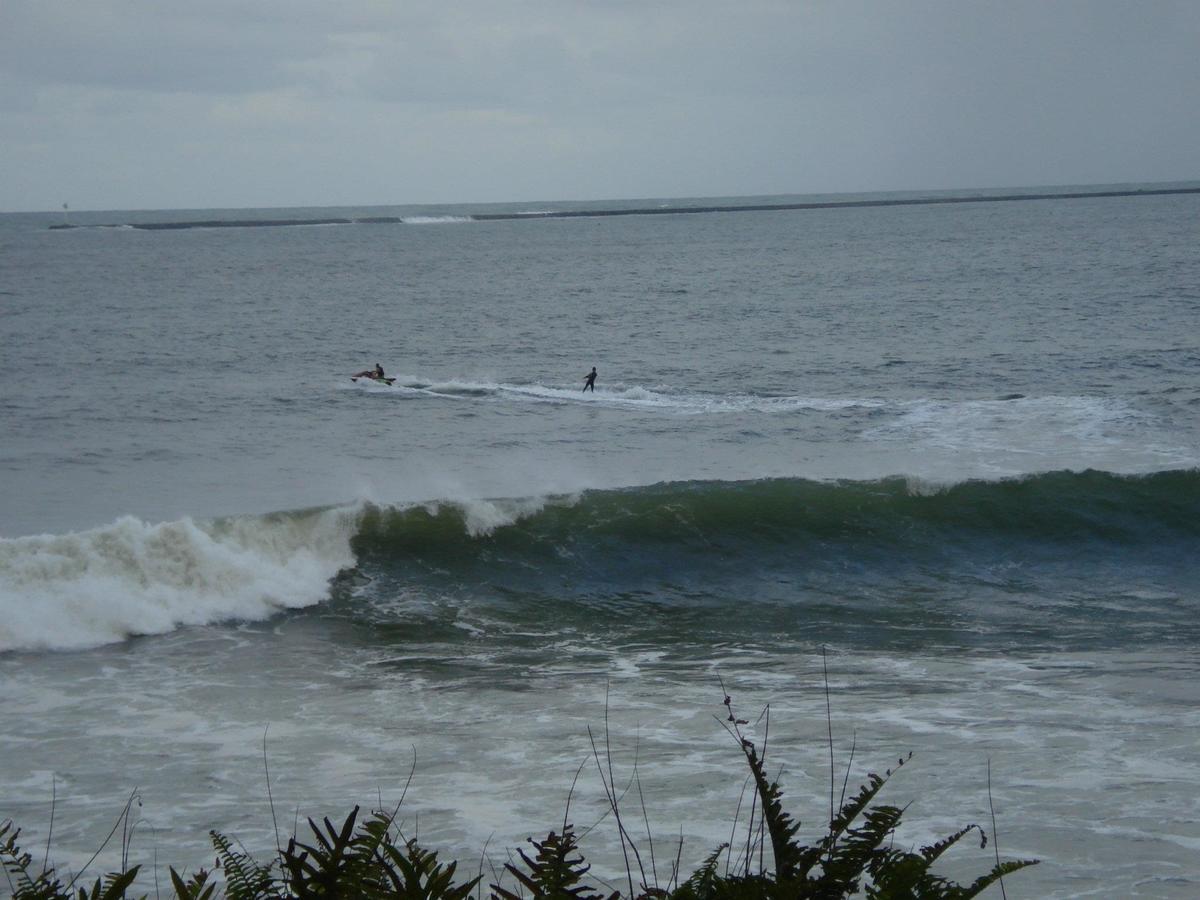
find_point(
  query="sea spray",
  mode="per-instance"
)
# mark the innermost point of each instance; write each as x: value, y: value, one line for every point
x: 131, y: 577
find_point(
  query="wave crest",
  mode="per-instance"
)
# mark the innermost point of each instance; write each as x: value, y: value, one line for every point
x: 1054, y: 507
x: 130, y: 577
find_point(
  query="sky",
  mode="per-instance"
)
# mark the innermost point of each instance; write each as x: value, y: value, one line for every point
x: 201, y: 104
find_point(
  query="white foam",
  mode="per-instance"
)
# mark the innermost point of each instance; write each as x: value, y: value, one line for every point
x: 624, y: 396
x: 483, y: 517
x: 366, y: 384
x: 1102, y: 432
x: 130, y: 577
x: 435, y: 220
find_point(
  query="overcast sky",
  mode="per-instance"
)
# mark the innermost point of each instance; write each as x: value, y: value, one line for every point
x: 145, y: 104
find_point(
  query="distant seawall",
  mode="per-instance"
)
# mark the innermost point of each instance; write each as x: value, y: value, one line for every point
x: 635, y: 211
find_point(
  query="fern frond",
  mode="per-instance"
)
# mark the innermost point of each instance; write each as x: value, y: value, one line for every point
x: 416, y: 874
x: 195, y: 888
x: 554, y: 872
x: 112, y: 887
x: 703, y: 883
x: 17, y: 862
x: 780, y: 826
x: 936, y: 849
x: 899, y: 874
x: 849, y: 860
x: 245, y: 877
x: 327, y: 869
x: 998, y: 872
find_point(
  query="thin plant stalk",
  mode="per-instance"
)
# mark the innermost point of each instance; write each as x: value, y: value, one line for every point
x: 829, y: 729
x: 995, y: 835
x: 50, y: 831
x: 99, y: 850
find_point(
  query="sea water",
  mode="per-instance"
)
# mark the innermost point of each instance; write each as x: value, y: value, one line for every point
x: 920, y: 478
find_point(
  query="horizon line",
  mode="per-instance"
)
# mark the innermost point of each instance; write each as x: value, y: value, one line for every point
x: 645, y: 211
x: 59, y: 209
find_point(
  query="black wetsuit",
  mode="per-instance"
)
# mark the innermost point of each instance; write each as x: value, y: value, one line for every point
x: 590, y: 381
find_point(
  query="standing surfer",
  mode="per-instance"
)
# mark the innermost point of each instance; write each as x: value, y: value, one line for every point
x: 590, y: 381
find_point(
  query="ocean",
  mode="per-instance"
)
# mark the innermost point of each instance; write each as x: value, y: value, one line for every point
x: 917, y: 477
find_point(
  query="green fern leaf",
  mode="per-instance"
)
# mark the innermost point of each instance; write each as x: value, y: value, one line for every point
x: 998, y: 872
x: 245, y: 878
x: 554, y: 872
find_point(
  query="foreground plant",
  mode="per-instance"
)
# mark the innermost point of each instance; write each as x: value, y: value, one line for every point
x: 372, y: 860
x: 852, y: 855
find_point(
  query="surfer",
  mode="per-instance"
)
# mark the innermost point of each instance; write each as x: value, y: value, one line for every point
x: 590, y: 381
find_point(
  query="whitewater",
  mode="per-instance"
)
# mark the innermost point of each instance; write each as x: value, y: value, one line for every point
x: 946, y: 452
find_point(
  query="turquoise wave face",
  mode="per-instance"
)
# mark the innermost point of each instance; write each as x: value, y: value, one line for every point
x: 1058, y: 556
x: 1061, y: 508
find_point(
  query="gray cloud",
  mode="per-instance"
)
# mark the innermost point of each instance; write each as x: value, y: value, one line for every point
x: 133, y: 103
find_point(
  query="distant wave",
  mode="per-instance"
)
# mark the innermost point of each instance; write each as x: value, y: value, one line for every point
x: 130, y: 577
x: 663, y: 209
x: 434, y: 220
x: 275, y: 223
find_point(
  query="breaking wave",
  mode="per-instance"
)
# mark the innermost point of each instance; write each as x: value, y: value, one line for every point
x: 102, y: 585
x: 130, y: 577
x: 1070, y: 507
